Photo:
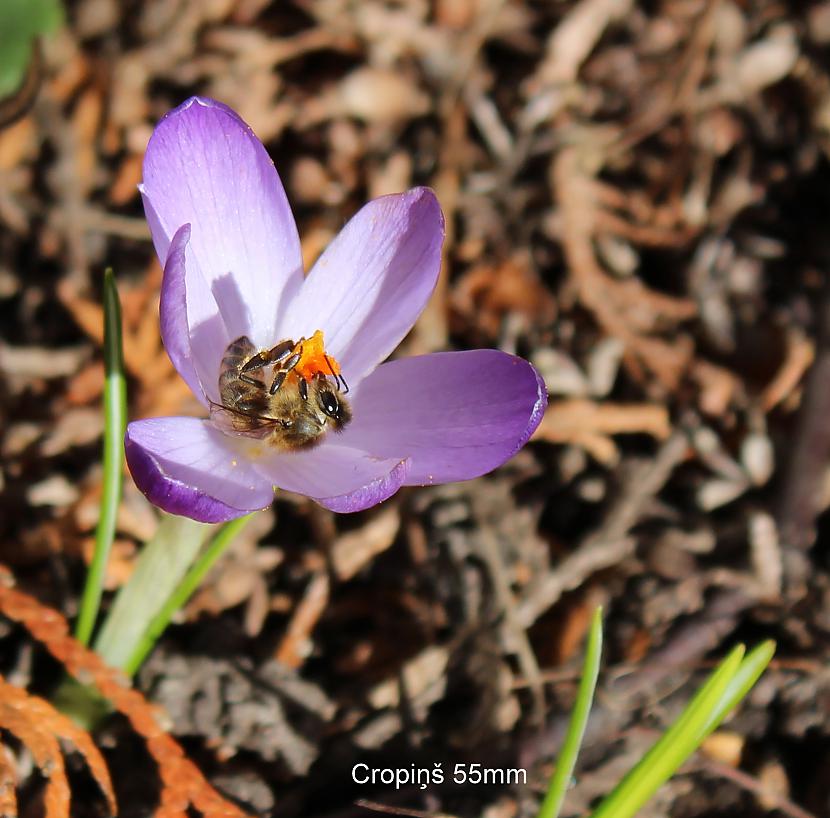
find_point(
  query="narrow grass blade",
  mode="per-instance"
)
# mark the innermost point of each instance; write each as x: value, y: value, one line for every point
x: 184, y: 591
x: 579, y: 719
x: 115, y: 422
x: 675, y: 746
x: 742, y: 682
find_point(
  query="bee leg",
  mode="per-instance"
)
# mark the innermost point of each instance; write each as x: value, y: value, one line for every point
x: 276, y: 355
x: 278, y: 381
x: 282, y: 371
x: 252, y: 381
x: 292, y: 362
x: 294, y: 359
x: 303, y: 388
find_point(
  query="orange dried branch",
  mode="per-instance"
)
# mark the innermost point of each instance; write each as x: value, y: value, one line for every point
x: 47, y: 718
x: 8, y: 797
x: 182, y: 783
x: 27, y: 717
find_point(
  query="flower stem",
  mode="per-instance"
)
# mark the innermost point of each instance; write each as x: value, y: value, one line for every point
x: 115, y: 422
x: 184, y: 590
x: 159, y: 570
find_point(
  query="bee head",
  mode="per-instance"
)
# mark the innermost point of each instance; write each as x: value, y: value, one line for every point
x: 333, y: 406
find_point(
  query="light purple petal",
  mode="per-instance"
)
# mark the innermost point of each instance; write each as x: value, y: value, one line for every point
x: 339, y: 477
x: 185, y: 466
x: 205, y: 167
x: 175, y: 332
x: 369, y: 495
x: 191, y: 303
x: 456, y: 415
x: 372, y: 281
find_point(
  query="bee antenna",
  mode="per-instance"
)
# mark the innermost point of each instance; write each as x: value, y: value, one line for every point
x: 331, y: 367
x: 338, y: 379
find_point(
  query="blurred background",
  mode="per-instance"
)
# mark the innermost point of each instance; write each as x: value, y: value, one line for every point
x: 637, y: 201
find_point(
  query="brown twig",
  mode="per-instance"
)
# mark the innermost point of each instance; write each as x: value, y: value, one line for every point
x: 751, y: 784
x: 517, y: 630
x: 610, y: 543
x: 801, y: 495
x: 307, y: 614
x: 389, y: 810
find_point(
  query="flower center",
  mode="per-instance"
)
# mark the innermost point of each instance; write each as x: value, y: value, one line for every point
x: 313, y: 358
x: 291, y: 394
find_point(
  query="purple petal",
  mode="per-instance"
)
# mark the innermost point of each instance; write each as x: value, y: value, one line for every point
x: 372, y: 281
x: 175, y: 332
x: 185, y: 466
x: 205, y: 167
x: 339, y: 477
x: 369, y: 495
x: 456, y: 415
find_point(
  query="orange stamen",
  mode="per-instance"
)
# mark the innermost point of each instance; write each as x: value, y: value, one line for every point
x: 314, y: 359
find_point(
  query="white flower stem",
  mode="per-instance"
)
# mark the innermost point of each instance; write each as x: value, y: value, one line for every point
x: 163, y: 563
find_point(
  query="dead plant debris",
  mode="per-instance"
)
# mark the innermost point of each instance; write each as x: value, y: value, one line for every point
x: 635, y: 198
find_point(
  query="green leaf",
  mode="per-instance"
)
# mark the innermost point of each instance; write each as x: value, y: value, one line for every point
x: 115, y: 423
x: 20, y: 22
x: 579, y: 719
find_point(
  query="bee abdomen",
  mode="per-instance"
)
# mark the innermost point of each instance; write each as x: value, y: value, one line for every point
x: 237, y: 353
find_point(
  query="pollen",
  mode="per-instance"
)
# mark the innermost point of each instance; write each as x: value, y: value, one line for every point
x: 314, y: 360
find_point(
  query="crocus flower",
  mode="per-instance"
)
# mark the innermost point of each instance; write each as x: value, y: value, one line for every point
x: 227, y: 240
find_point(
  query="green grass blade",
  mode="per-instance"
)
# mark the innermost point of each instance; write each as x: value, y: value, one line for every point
x: 742, y: 682
x: 115, y: 423
x: 579, y: 719
x: 675, y: 746
x: 184, y: 590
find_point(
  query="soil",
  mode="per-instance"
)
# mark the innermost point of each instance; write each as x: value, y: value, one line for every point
x: 637, y: 199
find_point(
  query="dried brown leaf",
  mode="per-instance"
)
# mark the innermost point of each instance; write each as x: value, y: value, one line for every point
x: 799, y: 355
x: 292, y: 650
x: 18, y: 143
x: 718, y: 387
x: 591, y: 425
x: 626, y: 309
x: 353, y: 550
x: 570, y: 43
x: 487, y: 293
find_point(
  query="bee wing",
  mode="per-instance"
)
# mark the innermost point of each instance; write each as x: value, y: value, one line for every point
x: 234, y: 420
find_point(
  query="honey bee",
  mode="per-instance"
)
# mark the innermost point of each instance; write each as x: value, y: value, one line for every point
x: 289, y: 395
